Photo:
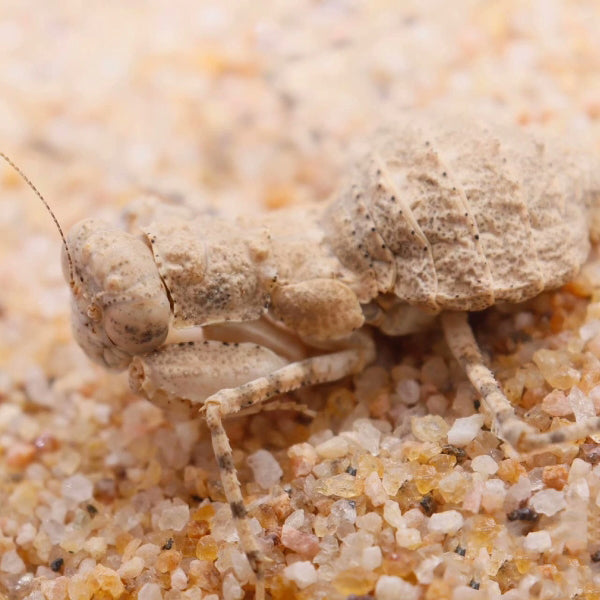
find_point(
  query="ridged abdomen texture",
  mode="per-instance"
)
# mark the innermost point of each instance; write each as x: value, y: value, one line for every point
x: 356, y: 238
x: 483, y: 166
x: 466, y: 215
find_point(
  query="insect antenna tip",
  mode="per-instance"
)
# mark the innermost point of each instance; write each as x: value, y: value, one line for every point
x: 39, y: 195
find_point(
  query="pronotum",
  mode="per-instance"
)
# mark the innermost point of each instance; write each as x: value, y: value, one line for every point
x: 440, y: 217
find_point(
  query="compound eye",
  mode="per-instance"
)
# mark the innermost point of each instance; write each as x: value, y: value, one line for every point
x: 138, y: 327
x: 94, y: 313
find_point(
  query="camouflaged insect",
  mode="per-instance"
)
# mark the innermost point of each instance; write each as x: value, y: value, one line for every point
x: 440, y: 216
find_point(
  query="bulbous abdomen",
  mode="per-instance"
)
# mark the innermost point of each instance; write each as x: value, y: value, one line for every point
x: 450, y: 214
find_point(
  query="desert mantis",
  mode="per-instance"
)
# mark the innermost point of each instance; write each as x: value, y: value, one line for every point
x: 441, y: 216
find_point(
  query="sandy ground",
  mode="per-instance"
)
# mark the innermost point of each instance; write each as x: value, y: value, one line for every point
x: 239, y: 109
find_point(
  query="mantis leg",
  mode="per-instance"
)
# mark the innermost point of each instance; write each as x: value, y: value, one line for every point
x: 228, y: 402
x: 178, y: 377
x: 505, y: 422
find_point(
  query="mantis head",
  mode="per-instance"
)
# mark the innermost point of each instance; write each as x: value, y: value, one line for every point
x: 120, y: 308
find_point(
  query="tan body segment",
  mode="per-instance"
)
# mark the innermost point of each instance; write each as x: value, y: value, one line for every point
x: 441, y: 215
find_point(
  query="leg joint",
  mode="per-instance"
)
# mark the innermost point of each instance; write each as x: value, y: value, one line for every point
x: 238, y: 510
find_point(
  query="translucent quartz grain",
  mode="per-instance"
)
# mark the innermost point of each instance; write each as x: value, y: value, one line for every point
x: 424, y: 571
x: 26, y: 534
x: 454, y: 486
x: 408, y: 537
x: 148, y: 552
x: 54, y: 589
x: 464, y: 430
x: 12, y: 563
x: 304, y: 543
x: 206, y: 548
x: 394, y: 476
x: 150, y: 591
x: 335, y: 447
x: 131, y: 568
x: 343, y: 485
x: 557, y: 368
x: 342, y: 516
x: 518, y: 493
x: 108, y: 581
x: 390, y: 587
x: 556, y: 404
x: 77, y: 488
x: 96, y: 546
x: 356, y: 581
x: 265, y: 468
x: 431, y: 428
x: 179, y: 579
x: 295, y: 519
x: 168, y: 560
x: 537, y: 541
x: 493, y: 495
x: 174, y: 517
x: 579, y: 469
x: 510, y: 470
x: 448, y: 522
x: 393, y: 515
x: 484, y: 464
x: 302, y: 573
x: 581, y: 405
x: 548, y: 502
x: 303, y: 458
x: 80, y: 589
x: 374, y: 490
x: 371, y: 558
x: 370, y: 522
x: 366, y: 435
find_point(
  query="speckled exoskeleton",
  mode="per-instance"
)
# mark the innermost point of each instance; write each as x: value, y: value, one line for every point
x: 439, y: 217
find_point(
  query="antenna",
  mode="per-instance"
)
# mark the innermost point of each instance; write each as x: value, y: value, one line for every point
x: 60, y: 231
